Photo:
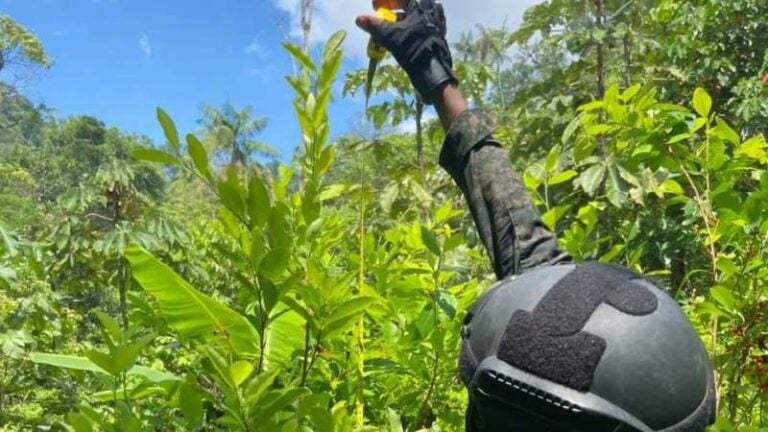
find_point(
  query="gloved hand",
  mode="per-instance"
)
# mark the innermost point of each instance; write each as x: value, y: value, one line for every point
x: 418, y: 44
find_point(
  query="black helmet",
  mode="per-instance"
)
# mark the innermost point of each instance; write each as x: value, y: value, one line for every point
x: 583, y: 348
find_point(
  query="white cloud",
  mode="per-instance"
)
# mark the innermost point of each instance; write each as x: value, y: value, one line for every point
x: 463, y: 16
x: 262, y: 73
x: 145, y: 44
x: 256, y: 49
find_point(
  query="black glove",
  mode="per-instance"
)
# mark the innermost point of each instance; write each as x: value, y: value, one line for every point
x: 418, y: 44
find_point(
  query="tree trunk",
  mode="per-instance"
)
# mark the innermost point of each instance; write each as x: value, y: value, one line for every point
x: 600, y: 21
x: 306, y: 21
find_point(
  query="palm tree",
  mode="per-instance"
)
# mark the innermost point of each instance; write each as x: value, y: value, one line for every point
x: 231, y: 133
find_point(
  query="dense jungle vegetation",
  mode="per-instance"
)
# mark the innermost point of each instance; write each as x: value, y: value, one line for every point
x: 197, y: 284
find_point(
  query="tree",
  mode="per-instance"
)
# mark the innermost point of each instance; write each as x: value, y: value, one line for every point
x: 20, y: 50
x: 231, y: 133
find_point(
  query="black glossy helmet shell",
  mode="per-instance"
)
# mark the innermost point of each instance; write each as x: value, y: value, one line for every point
x: 584, y: 347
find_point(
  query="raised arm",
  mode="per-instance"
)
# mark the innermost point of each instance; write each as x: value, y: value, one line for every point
x: 505, y: 218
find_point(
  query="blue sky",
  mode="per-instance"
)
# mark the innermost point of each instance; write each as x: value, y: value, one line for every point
x: 120, y: 59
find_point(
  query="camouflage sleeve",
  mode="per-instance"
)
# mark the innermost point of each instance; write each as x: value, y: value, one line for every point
x: 506, y: 219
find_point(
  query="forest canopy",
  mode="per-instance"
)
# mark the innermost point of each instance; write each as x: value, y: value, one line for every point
x: 200, y: 282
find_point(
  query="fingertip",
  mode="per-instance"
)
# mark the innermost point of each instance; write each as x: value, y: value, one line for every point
x: 362, y: 22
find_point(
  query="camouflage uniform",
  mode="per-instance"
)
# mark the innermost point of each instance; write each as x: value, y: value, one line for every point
x: 508, y: 223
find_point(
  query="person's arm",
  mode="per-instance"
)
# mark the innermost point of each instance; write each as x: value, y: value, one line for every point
x: 506, y: 220
x: 449, y: 104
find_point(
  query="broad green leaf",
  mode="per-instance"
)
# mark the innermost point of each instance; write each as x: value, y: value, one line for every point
x: 561, y: 177
x: 388, y: 197
x: 591, y: 179
x: 447, y: 302
x: 154, y: 155
x: 104, y: 361
x: 754, y: 148
x: 79, y: 422
x: 275, y: 262
x: 67, y: 362
x: 190, y: 312
x: 240, y: 371
x: 153, y: 375
x: 285, y: 335
x: 299, y: 55
x: 611, y: 254
x: 726, y: 132
x: 591, y: 106
x: 199, y: 156
x: 430, y: 241
x: 615, y: 188
x: 552, y: 160
x: 394, y: 424
x: 85, y: 364
x: 329, y: 69
x: 169, y: 129
x: 258, y: 201
x: 322, y: 419
x: 599, y: 129
x: 231, y: 198
x: 127, y: 355
x: 258, y: 385
x: 353, y: 306
x: 280, y: 400
x: 630, y: 93
x: 702, y: 102
x: 724, y: 297
x: 111, y: 326
x: 570, y: 130
x: 333, y: 43
x: 553, y: 216
x: 191, y: 404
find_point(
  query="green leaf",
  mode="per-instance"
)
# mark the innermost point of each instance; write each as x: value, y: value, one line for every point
x: 561, y: 177
x: 394, y: 424
x: 299, y: 55
x: 240, y: 371
x: 191, y: 404
x: 199, y: 156
x: 447, y: 302
x: 67, y: 362
x: 187, y: 310
x: 388, y: 197
x: 126, y: 356
x: 231, y: 198
x: 333, y: 43
x: 430, y: 241
x: 726, y: 132
x: 553, y: 216
x: 154, y: 155
x: 285, y: 335
x: 280, y: 400
x: 169, y: 129
x: 104, y: 361
x: 630, y: 93
x: 591, y: 179
x: 258, y: 201
x: 79, y: 422
x: 258, y: 386
x: 702, y: 102
x: 85, y: 364
x: 724, y: 297
x: 111, y: 326
x: 346, y: 313
x: 275, y: 262
x: 571, y: 129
